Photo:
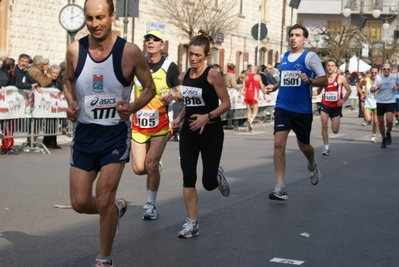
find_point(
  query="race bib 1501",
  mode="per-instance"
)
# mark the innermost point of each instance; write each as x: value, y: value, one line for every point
x: 290, y: 78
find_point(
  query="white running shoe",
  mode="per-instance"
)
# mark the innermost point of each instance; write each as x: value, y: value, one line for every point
x: 314, y: 174
x: 190, y: 229
x: 100, y: 263
x: 150, y: 211
x: 373, y: 139
x: 121, y: 207
x: 326, y: 151
x: 224, y: 186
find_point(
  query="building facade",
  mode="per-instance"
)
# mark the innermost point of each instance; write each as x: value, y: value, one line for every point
x: 33, y: 27
x: 380, y: 29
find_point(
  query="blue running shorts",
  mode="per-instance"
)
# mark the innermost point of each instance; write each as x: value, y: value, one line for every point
x: 94, y: 145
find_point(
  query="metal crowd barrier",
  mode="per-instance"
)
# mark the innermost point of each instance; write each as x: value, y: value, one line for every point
x: 32, y: 129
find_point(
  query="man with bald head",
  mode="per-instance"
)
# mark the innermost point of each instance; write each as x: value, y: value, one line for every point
x: 97, y: 86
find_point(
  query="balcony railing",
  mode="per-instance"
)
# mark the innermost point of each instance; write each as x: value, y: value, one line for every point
x: 386, y: 6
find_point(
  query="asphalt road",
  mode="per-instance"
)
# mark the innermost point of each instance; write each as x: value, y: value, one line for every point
x: 351, y: 215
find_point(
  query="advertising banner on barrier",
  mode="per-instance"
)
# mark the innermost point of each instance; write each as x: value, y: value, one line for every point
x: 16, y: 103
x: 238, y: 103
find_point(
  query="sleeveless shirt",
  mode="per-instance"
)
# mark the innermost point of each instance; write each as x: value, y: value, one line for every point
x: 154, y: 116
x: 199, y: 95
x: 251, y: 88
x: 294, y: 95
x: 100, y: 85
x: 332, y: 93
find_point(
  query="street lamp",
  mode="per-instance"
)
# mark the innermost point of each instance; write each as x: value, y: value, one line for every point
x: 393, y: 9
x: 385, y: 26
x: 348, y: 9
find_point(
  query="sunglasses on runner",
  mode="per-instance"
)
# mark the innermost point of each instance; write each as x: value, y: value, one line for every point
x: 151, y: 37
x: 386, y: 69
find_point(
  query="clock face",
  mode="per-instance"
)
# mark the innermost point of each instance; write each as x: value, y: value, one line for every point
x: 72, y: 18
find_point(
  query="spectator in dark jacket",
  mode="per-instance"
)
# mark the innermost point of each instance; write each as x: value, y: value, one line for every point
x: 23, y: 79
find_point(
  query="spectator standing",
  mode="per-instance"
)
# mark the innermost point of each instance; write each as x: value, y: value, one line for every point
x: 7, y: 78
x: 97, y: 86
x: 202, y: 130
x: 293, y: 110
x: 3, y: 56
x: 36, y: 71
x: 266, y: 75
x: 60, y: 80
x: 50, y: 141
x: 23, y: 79
x: 230, y: 78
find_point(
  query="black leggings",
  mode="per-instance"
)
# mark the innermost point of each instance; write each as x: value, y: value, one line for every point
x: 210, y: 144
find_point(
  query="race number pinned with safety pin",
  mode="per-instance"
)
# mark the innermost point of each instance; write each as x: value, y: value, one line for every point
x: 101, y: 107
x: 331, y: 96
x: 290, y: 78
x: 192, y: 96
x: 147, y: 118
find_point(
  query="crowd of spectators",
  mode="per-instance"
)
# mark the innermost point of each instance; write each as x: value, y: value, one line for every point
x: 30, y: 74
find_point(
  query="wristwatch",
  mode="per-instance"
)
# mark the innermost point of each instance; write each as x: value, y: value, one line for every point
x: 310, y: 81
x: 210, y: 116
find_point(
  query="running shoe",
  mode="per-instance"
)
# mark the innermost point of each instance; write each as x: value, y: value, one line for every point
x: 373, y: 139
x: 384, y: 143
x: 100, y: 263
x: 190, y: 229
x: 150, y: 211
x: 224, y: 186
x: 314, y: 174
x: 121, y: 207
x: 364, y: 123
x: 326, y: 151
x: 279, y: 193
x: 160, y: 166
x: 389, y: 138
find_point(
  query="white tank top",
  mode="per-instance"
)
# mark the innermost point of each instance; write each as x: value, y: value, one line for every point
x: 369, y: 101
x: 100, y: 84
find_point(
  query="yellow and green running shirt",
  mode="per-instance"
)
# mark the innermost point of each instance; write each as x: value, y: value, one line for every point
x: 154, y: 116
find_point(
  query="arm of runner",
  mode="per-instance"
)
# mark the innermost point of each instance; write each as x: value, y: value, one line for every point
x: 344, y: 83
x: 70, y: 81
x: 317, y: 91
x: 359, y: 86
x: 140, y: 68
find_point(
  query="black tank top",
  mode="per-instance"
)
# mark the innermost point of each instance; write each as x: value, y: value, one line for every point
x: 199, y: 95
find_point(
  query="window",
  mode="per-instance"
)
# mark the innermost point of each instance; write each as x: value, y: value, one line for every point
x: 240, y: 11
x: 214, y: 56
x: 334, y: 27
x: 183, y: 59
x: 373, y: 31
x: 263, y: 10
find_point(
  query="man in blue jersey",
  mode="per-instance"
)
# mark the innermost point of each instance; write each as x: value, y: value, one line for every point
x: 293, y: 111
x: 97, y: 86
